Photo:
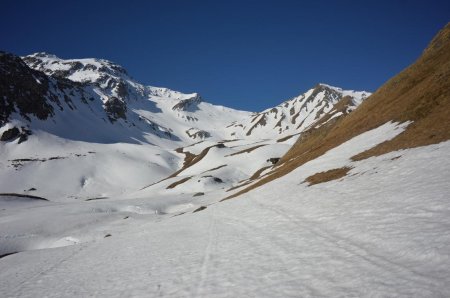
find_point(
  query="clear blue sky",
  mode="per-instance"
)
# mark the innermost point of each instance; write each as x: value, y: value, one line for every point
x: 244, y: 54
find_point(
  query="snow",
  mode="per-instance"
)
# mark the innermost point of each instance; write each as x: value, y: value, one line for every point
x: 382, y: 230
x: 61, y: 169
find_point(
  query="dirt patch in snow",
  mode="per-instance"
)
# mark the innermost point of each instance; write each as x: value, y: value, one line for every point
x: 257, y: 174
x: 326, y: 176
x: 283, y: 139
x: 246, y: 150
x: 99, y: 198
x: 213, y: 169
x: 261, y: 122
x: 175, y: 184
x: 199, y: 209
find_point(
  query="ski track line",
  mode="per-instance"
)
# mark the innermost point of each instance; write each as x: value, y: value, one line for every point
x: 30, y: 280
x: 261, y: 245
x: 356, y: 250
x: 212, y: 240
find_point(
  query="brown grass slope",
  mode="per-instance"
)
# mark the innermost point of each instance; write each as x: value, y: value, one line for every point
x: 420, y: 93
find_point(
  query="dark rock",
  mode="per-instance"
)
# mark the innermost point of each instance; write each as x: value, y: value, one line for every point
x: 10, y: 134
x: 22, y: 196
x: 198, y: 194
x: 199, y: 209
x: 122, y: 91
x: 194, y: 133
x: 273, y: 160
x: 23, y: 89
x: 22, y: 138
x: 189, y: 104
x: 115, y: 108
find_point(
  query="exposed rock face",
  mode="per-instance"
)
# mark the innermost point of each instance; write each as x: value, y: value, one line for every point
x: 115, y: 108
x: 22, y: 90
x: 189, y: 104
x: 273, y: 160
x: 197, y: 134
x: 10, y: 134
x: 122, y: 90
x: 14, y: 133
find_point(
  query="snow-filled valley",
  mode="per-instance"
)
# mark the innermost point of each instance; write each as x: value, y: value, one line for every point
x: 380, y: 231
x: 110, y: 188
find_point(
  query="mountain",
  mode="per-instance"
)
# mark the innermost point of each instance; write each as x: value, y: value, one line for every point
x: 101, y: 94
x: 87, y: 103
x: 315, y: 107
x: 185, y: 117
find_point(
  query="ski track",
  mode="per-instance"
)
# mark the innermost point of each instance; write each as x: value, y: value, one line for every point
x: 36, y: 278
x: 353, y: 248
x: 210, y: 247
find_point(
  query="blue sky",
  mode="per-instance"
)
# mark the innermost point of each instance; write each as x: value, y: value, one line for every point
x: 244, y: 54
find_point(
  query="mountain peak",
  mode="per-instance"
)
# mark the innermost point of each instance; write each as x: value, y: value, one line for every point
x: 79, y: 70
x: 44, y: 55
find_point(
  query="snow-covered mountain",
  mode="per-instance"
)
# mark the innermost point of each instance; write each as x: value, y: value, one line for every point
x: 315, y: 107
x: 149, y: 114
x: 90, y: 105
x: 101, y: 91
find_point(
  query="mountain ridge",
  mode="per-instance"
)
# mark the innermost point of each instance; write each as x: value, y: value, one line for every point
x: 97, y: 103
x: 110, y: 85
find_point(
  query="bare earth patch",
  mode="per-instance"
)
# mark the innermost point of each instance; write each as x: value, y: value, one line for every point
x: 246, y: 150
x: 326, y: 176
x: 175, y: 184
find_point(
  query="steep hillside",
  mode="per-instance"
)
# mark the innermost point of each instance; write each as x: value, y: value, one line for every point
x: 419, y: 95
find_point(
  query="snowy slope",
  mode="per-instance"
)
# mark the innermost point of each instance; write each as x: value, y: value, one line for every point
x: 350, y: 236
